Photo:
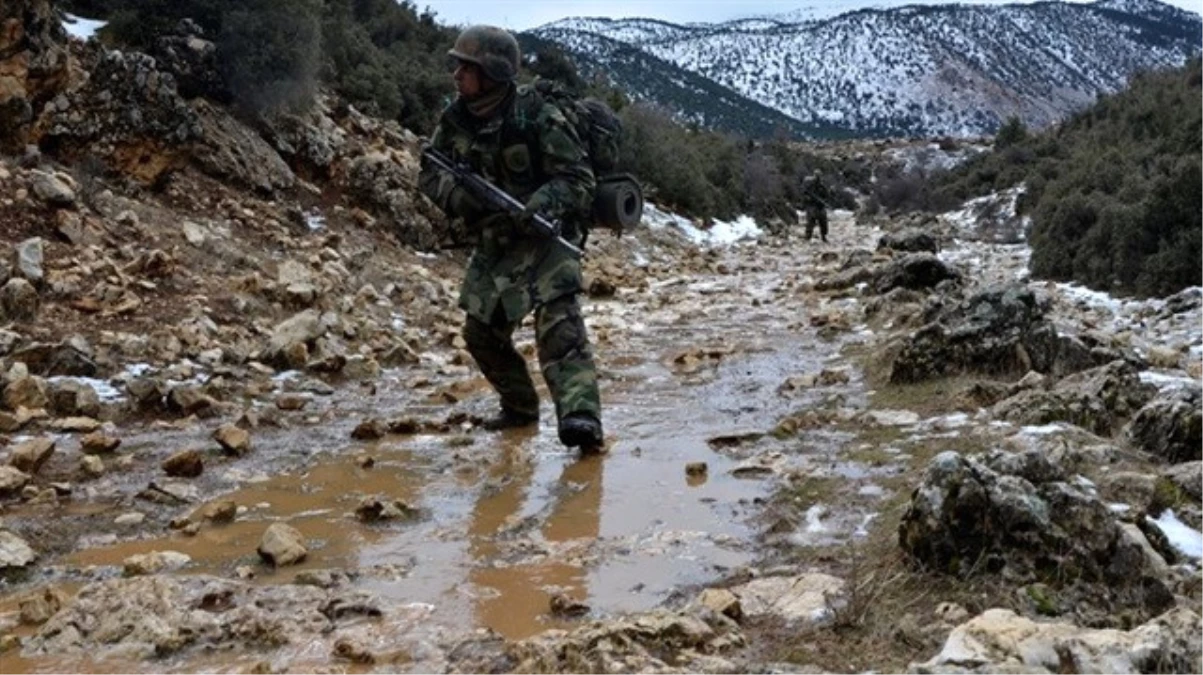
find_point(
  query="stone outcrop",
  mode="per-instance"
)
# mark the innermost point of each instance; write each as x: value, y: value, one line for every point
x: 1021, y: 514
x: 1099, y: 400
x: 34, y: 66
x: 999, y: 641
x: 151, y: 617
x: 1001, y: 331
x: 910, y: 240
x: 1171, y: 426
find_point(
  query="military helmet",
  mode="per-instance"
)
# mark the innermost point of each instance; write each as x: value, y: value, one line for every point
x: 491, y: 48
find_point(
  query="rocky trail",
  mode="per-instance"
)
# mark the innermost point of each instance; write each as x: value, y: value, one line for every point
x: 239, y: 429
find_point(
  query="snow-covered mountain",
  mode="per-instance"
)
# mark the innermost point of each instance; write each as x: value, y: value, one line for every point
x: 914, y: 70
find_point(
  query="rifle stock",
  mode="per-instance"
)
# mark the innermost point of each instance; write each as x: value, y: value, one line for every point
x: 494, y: 196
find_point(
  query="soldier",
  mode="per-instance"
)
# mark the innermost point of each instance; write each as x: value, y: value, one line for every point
x: 525, y: 146
x: 815, y: 198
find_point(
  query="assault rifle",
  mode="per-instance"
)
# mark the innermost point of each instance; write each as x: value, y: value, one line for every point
x: 494, y: 196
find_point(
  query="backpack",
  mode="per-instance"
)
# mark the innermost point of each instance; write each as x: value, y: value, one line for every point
x: 618, y: 197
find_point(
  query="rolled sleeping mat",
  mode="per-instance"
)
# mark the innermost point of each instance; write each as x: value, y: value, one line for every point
x: 618, y: 202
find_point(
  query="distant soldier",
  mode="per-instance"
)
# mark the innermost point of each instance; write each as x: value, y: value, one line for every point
x: 525, y: 146
x: 815, y: 199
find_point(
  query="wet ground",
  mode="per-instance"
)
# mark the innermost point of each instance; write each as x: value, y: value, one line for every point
x: 691, y: 370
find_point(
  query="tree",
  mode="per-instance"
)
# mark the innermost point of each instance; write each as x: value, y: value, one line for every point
x: 269, y: 53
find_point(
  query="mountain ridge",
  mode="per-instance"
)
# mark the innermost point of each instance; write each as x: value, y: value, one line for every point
x: 957, y: 70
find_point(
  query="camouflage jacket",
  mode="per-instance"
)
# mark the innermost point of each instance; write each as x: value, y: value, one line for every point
x: 530, y: 150
x: 815, y: 193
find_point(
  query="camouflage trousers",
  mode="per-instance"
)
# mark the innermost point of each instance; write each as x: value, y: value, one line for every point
x: 816, y: 217
x: 564, y: 356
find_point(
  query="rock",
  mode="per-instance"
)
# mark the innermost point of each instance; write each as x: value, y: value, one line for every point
x: 282, y: 545
x: 12, y: 480
x: 290, y: 336
x: 996, y: 332
x: 168, y: 616
x: 184, y: 464
x: 98, y: 443
x: 130, y: 518
x: 52, y: 190
x: 805, y: 599
x: 346, y: 648
x: 372, y: 509
x: 1171, y: 425
x: 154, y: 562
x: 224, y: 511
x: 29, y: 391
x: 911, y: 240
x: 292, y: 401
x: 189, y: 400
x: 36, y: 66
x: 999, y: 640
x: 233, y: 439
x: 565, y: 606
x: 234, y: 152
x: 696, y: 469
x: 1186, y: 476
x: 147, y: 392
x: 37, y: 609
x: 14, y: 552
x: 18, y: 301
x: 1099, y: 400
x: 379, y: 182
x: 29, y: 258
x: 914, y: 271
x: 92, y: 466
x: 74, y: 398
x: 369, y: 430
x: 31, y: 455
x: 1184, y: 301
x: 1019, y: 512
x: 722, y: 601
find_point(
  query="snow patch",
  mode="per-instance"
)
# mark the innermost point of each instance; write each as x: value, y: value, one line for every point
x: 81, y: 28
x: 1183, y: 537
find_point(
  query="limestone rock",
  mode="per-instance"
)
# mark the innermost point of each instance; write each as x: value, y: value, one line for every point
x: 29, y: 258
x: 806, y: 599
x: 282, y: 545
x: 38, y: 608
x: 31, y: 455
x: 1171, y: 426
x: 27, y: 391
x: 233, y: 439
x: 999, y: 640
x: 1019, y: 512
x: 154, y: 562
x: 910, y: 240
x: 12, y: 480
x: 184, y: 464
x: 14, y: 551
x: 19, y: 300
x: 98, y: 443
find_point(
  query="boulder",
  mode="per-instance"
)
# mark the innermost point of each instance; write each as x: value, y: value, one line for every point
x: 1021, y: 513
x: 291, y: 336
x: 805, y: 599
x: 14, y: 551
x: 382, y: 182
x: 35, y: 66
x: 19, y: 301
x: 29, y: 456
x: 282, y: 545
x: 1099, y: 400
x: 29, y: 259
x: 160, y: 616
x: 910, y: 240
x: 53, y: 190
x: 999, y: 640
x: 1171, y: 425
x: 71, y: 397
x: 12, y: 480
x: 1001, y: 331
x: 914, y: 271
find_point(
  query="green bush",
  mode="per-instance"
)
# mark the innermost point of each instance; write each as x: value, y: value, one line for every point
x: 269, y: 53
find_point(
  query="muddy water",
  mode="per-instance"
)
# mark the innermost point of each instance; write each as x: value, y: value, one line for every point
x: 509, y: 520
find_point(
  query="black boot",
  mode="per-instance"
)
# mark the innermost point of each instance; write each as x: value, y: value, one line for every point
x: 581, y: 430
x: 509, y: 419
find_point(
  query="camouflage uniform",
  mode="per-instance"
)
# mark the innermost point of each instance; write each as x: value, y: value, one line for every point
x: 815, y: 197
x: 530, y: 150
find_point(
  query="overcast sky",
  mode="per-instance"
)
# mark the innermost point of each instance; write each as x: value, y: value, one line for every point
x: 524, y: 14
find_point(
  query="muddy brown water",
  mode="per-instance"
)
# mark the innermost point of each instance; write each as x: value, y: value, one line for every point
x: 508, y: 520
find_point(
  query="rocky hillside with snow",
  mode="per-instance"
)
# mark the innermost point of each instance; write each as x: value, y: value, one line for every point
x: 922, y: 70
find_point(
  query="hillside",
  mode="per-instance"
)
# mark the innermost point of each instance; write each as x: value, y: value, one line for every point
x: 956, y: 70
